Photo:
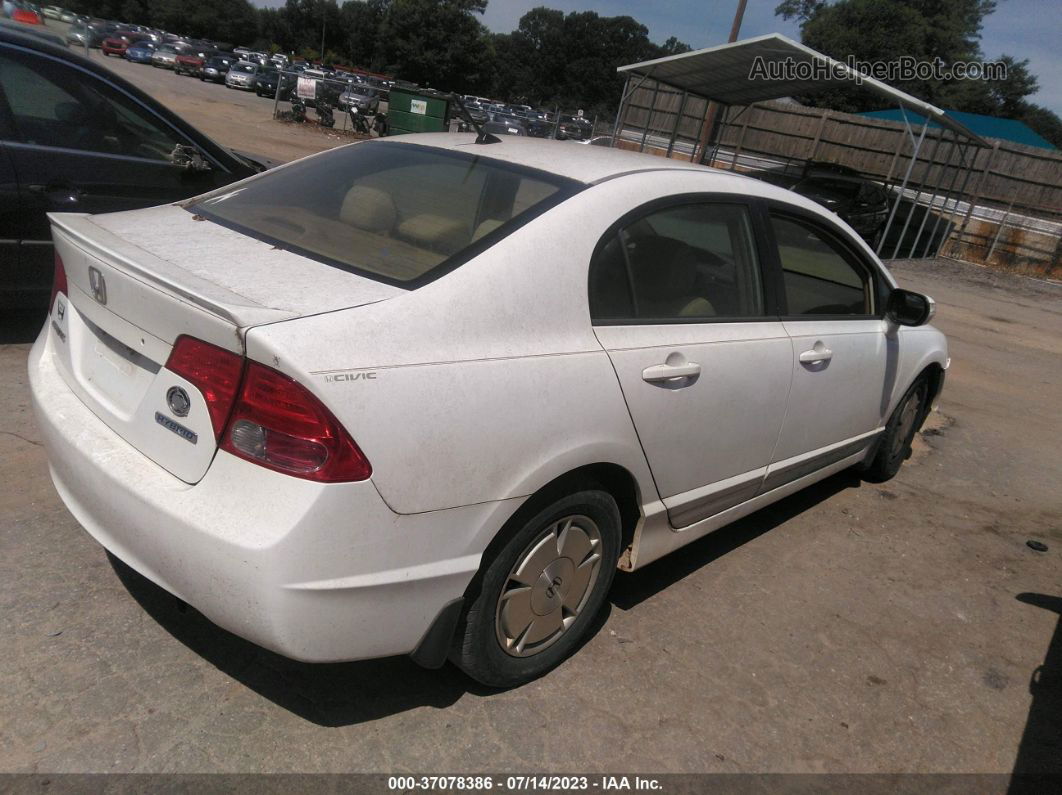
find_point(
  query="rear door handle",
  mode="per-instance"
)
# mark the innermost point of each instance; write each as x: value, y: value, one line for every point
x: 666, y: 372
x: 820, y: 353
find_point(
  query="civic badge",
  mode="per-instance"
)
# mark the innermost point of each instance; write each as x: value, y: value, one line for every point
x: 178, y: 401
x: 98, y: 285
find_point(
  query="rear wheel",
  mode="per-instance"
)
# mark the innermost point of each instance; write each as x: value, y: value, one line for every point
x: 895, y: 445
x: 537, y: 596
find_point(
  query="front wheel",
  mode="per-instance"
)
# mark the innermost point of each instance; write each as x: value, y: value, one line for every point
x: 535, y: 598
x: 895, y: 445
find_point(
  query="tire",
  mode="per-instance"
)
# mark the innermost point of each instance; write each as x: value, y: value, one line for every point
x: 895, y: 445
x: 569, y: 552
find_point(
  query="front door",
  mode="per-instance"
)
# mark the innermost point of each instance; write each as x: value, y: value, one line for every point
x: 677, y: 300
x: 840, y: 350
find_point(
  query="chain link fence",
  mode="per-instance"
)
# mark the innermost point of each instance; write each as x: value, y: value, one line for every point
x: 344, y: 104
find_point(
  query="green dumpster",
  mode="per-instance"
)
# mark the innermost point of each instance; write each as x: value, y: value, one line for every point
x: 415, y: 112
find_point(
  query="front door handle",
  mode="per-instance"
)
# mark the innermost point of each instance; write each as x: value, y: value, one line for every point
x: 820, y: 353
x: 58, y: 194
x: 667, y: 372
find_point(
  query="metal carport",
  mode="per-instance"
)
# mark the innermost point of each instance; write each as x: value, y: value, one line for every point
x: 723, y: 75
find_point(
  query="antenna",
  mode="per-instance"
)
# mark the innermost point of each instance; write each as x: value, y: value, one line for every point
x: 481, y: 137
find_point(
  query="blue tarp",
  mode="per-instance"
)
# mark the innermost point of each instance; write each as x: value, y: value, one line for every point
x: 985, y: 126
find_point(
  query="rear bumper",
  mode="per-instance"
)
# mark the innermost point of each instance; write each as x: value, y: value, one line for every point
x: 316, y: 572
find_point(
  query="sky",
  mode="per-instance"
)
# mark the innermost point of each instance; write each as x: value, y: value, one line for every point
x: 1022, y: 28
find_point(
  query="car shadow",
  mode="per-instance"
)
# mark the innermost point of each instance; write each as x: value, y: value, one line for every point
x: 327, y: 694
x: 1038, y: 767
x: 343, y: 694
x: 632, y: 589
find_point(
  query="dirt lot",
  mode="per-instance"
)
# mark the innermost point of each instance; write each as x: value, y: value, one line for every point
x: 230, y: 116
x: 852, y: 627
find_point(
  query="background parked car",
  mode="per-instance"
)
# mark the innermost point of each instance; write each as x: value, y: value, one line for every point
x: 25, y: 13
x: 217, y: 66
x: 574, y: 127
x: 140, y: 52
x: 266, y: 82
x: 361, y: 96
x: 863, y: 204
x: 63, y: 120
x: 118, y: 42
x: 243, y: 75
x: 165, y: 56
x: 502, y: 124
x: 191, y: 62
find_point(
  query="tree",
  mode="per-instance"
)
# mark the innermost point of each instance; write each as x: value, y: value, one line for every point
x: 949, y: 30
x: 435, y: 42
x: 360, y: 22
x: 570, y: 60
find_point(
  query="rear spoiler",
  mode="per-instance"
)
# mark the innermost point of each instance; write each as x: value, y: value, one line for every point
x: 164, y: 275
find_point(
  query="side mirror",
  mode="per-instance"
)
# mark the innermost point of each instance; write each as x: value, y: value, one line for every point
x: 906, y: 308
x: 189, y: 158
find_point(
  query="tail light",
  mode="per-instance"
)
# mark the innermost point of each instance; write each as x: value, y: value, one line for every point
x: 280, y: 425
x: 58, y: 281
x: 214, y: 371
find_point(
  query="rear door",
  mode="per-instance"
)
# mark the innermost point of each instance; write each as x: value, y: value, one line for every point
x: 677, y: 301
x: 80, y: 145
x: 833, y: 310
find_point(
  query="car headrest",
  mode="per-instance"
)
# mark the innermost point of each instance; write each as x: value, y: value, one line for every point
x: 662, y: 268
x: 368, y: 208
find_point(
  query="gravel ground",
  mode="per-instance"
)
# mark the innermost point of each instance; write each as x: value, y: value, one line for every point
x: 849, y: 628
x: 903, y: 627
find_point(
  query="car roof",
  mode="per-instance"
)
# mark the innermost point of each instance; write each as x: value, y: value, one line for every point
x: 592, y: 164
x: 575, y: 162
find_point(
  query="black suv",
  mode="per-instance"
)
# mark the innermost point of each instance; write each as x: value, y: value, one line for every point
x: 75, y: 137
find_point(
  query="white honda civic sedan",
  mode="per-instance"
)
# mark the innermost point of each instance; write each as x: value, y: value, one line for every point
x: 426, y: 395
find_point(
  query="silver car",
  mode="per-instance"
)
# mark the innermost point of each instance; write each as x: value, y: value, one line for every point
x: 242, y: 75
x: 165, y: 56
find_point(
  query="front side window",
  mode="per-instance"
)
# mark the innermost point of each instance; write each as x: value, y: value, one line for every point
x: 53, y: 105
x: 819, y: 275
x: 686, y: 263
x: 392, y: 211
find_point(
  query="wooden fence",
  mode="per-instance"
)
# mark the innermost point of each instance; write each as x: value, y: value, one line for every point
x: 1000, y: 205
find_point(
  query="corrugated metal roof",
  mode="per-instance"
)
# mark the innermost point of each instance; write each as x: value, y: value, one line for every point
x: 721, y: 73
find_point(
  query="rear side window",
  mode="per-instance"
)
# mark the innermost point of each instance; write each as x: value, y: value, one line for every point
x: 401, y: 213
x: 683, y: 263
x: 820, y: 276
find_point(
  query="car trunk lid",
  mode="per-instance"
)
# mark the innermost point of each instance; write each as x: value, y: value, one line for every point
x: 127, y: 303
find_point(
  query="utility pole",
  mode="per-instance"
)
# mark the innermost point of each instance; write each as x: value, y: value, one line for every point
x: 324, y: 20
x: 713, y: 108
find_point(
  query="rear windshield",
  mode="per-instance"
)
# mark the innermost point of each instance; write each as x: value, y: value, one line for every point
x: 403, y: 214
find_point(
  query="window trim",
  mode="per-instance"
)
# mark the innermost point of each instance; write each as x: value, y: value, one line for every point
x: 832, y: 234
x: 759, y: 244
